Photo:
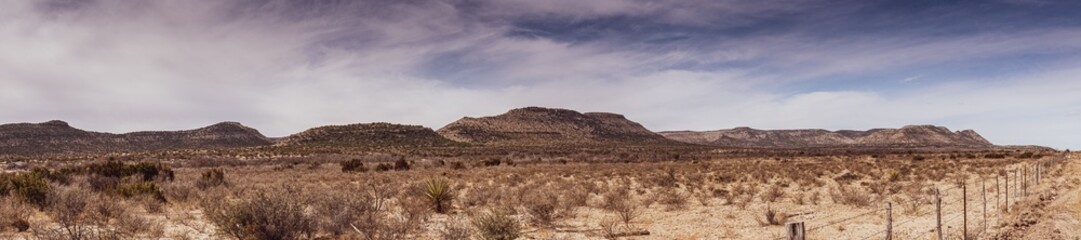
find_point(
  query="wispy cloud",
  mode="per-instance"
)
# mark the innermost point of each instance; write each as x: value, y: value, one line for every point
x: 911, y: 79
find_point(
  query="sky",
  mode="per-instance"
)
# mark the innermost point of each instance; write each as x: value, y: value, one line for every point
x: 1009, y: 69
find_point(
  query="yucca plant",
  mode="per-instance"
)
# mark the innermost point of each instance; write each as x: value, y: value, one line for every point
x: 438, y: 191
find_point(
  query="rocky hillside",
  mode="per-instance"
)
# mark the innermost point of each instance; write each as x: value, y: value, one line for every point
x: 533, y: 126
x: 907, y: 136
x: 57, y: 137
x: 367, y: 135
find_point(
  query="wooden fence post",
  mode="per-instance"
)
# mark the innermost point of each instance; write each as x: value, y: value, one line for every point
x: 983, y: 185
x: 889, y: 221
x: 1024, y: 180
x: 998, y: 193
x: 796, y: 231
x: 964, y: 210
x: 938, y: 213
x: 1016, y: 184
x: 1007, y: 191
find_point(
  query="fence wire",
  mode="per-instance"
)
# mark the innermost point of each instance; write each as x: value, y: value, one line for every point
x: 943, y: 196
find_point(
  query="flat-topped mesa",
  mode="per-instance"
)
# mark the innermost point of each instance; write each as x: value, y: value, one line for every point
x: 57, y: 137
x: 532, y: 126
x: 907, y: 136
x: 367, y: 135
x: 220, y: 135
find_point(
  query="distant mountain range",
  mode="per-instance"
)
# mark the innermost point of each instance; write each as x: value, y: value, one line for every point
x: 57, y: 137
x: 524, y: 127
x: 907, y: 136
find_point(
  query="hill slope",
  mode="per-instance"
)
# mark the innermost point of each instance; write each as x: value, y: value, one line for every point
x: 907, y: 136
x: 57, y: 137
x: 367, y: 135
x: 533, y: 126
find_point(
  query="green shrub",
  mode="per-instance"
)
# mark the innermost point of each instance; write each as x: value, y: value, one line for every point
x: 383, y: 167
x: 141, y: 189
x: 62, y: 177
x: 21, y: 225
x: 30, y: 188
x: 102, y: 183
x: 457, y: 165
x: 491, y: 162
x: 354, y: 165
x: 150, y: 171
x: 5, y: 184
x: 401, y: 165
x: 146, y: 171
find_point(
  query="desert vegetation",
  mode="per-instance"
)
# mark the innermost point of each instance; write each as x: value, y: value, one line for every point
x: 387, y: 196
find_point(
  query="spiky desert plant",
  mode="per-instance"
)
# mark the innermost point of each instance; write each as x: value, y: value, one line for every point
x: 438, y: 192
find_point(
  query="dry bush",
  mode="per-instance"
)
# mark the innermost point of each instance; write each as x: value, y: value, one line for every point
x: 573, y: 197
x: 353, y: 165
x: 496, y: 225
x: 480, y: 196
x: 772, y: 193
x: 413, y: 212
x: 340, y: 210
x: 620, y: 202
x: 14, y: 214
x: 542, y: 207
x: 671, y: 198
x: 262, y: 214
x: 99, y: 183
x: 799, y: 198
x: 210, y: 178
x: 703, y: 196
x: 455, y: 229
x: 81, y: 214
x: 179, y: 192
x: 609, y: 228
x: 814, y: 197
x: 129, y: 224
x: 772, y: 217
x: 377, y: 220
x: 728, y: 196
x: 67, y: 207
x: 915, y: 198
x: 851, y: 195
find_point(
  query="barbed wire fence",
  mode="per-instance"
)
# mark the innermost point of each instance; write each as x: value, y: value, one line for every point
x: 952, y: 211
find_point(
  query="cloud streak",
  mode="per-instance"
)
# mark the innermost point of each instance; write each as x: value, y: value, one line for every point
x: 283, y: 66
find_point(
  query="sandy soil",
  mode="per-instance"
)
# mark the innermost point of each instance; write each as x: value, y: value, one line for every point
x: 1061, y: 218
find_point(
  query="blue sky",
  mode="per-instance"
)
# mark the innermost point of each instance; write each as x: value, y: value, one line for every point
x: 1008, y: 69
